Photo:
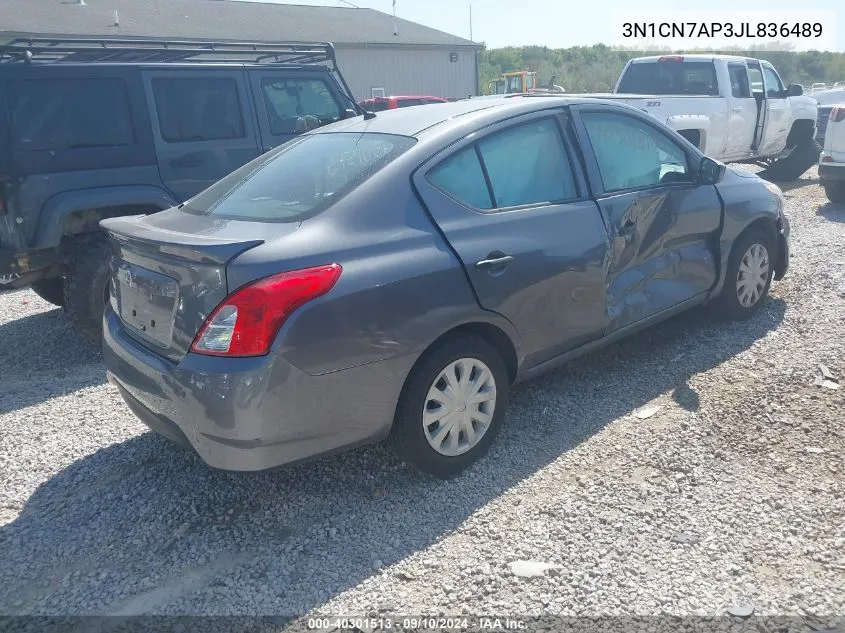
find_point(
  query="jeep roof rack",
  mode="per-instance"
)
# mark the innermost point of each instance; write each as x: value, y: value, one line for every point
x: 59, y: 50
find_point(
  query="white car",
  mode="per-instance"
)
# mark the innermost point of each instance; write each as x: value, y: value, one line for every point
x: 826, y: 100
x: 832, y: 161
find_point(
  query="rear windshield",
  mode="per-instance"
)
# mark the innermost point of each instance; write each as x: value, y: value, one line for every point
x: 670, y: 78
x: 299, y: 179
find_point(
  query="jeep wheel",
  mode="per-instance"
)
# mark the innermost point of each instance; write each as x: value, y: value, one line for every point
x: 51, y: 290
x: 86, y: 285
x: 793, y: 166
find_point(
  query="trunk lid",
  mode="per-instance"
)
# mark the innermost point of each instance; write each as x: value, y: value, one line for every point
x: 169, y: 272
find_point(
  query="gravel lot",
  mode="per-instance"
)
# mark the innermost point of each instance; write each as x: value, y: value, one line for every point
x: 731, y: 493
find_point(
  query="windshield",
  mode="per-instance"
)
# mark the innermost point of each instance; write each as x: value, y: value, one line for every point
x: 299, y: 179
x: 670, y: 78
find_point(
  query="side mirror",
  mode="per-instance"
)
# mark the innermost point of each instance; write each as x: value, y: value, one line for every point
x: 795, y: 90
x: 710, y: 171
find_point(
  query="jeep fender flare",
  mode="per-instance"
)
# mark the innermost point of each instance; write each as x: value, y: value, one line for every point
x: 56, y: 211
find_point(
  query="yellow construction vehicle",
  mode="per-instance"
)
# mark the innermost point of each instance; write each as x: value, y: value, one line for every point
x: 521, y: 82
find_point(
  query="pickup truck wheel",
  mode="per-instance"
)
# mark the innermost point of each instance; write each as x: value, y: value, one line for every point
x: 86, y: 286
x: 452, y: 406
x: 748, y: 276
x: 51, y: 290
x: 793, y: 166
x: 835, y: 192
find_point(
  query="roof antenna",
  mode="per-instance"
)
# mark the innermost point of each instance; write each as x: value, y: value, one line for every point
x: 395, y: 24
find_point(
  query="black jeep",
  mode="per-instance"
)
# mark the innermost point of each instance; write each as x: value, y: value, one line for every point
x: 98, y: 128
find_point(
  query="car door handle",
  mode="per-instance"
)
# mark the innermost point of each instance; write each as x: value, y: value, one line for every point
x: 493, y: 262
x: 737, y: 109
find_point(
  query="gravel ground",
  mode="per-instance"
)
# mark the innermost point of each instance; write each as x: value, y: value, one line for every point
x: 730, y: 494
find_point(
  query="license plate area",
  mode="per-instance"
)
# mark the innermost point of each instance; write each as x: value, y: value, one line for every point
x: 146, y: 302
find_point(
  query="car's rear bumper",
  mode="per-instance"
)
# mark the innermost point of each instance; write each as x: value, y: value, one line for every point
x: 250, y: 414
x: 831, y: 172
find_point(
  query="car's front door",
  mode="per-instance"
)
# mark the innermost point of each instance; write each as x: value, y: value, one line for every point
x: 662, y: 223
x: 778, y: 120
x: 514, y: 207
x: 291, y: 103
x: 202, y: 125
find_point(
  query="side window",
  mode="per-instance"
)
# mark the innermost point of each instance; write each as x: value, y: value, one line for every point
x: 200, y: 109
x: 739, y: 81
x: 461, y: 176
x: 526, y: 164
x: 633, y: 154
x: 59, y: 114
x: 774, y: 87
x: 756, y: 78
x: 289, y: 100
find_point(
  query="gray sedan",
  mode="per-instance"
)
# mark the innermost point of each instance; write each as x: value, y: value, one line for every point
x: 391, y: 276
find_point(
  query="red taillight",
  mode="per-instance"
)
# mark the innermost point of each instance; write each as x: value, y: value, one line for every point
x: 827, y: 159
x: 246, y: 322
x: 671, y: 58
x: 837, y: 114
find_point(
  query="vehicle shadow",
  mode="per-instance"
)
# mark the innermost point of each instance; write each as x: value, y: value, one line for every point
x: 144, y: 527
x: 42, y: 357
x: 832, y: 212
x: 798, y: 183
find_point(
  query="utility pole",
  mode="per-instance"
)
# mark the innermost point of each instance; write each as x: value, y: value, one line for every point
x: 470, y: 19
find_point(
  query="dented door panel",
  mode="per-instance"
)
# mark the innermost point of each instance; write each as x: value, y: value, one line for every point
x: 661, y: 252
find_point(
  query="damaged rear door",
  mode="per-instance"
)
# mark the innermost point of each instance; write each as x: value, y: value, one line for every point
x: 661, y: 221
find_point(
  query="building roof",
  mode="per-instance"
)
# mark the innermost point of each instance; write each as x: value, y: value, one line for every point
x: 217, y: 20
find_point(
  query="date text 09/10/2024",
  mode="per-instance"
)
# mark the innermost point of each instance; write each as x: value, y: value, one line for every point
x: 419, y: 624
x: 749, y: 30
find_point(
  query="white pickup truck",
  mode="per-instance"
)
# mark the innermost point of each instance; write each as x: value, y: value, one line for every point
x: 735, y: 109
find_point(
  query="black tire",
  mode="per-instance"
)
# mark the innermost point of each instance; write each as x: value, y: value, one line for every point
x: 51, y: 290
x: 408, y: 438
x: 793, y: 166
x: 727, y: 305
x: 835, y: 192
x: 86, y: 284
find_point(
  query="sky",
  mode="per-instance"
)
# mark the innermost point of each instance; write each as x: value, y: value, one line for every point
x: 563, y: 23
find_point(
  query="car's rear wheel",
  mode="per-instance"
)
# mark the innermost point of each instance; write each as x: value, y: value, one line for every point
x: 748, y: 276
x: 452, y: 406
x: 51, y: 290
x: 86, y: 285
x: 835, y: 192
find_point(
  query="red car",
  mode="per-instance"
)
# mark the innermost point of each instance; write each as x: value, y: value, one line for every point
x: 379, y: 104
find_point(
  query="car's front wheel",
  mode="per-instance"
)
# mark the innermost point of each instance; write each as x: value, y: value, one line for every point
x: 748, y: 276
x: 452, y: 406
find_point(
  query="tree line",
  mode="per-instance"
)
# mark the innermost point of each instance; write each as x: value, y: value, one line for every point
x: 596, y: 68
